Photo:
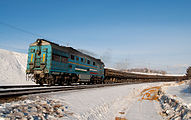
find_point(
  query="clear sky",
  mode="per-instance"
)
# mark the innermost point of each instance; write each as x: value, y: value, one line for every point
x: 135, y: 33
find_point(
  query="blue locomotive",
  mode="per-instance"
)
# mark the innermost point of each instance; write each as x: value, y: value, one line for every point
x: 50, y: 63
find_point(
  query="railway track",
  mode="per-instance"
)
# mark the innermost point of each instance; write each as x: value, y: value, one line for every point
x: 18, y: 86
x: 19, y: 90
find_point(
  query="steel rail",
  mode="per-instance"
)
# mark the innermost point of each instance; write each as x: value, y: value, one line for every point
x: 17, y: 86
x: 25, y: 91
x: 19, y: 91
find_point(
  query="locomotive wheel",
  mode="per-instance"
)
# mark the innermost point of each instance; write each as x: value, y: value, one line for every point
x: 68, y: 81
x: 41, y: 82
x: 50, y: 80
x: 62, y: 81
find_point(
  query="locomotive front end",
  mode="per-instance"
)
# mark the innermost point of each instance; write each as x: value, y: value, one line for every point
x: 38, y: 63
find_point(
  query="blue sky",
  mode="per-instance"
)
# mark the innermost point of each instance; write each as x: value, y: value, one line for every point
x: 140, y: 33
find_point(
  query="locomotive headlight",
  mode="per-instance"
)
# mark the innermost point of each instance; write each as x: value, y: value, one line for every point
x: 27, y: 71
x: 46, y: 71
x: 38, y: 41
x: 31, y: 65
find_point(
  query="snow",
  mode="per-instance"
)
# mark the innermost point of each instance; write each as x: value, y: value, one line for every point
x: 124, y: 102
x: 145, y: 110
x: 107, y: 103
x: 13, y: 68
x: 182, y: 92
x: 174, y: 100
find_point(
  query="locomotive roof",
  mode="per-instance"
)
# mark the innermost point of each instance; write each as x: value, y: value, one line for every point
x: 66, y: 49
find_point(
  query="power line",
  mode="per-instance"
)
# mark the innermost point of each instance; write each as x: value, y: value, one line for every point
x: 26, y: 31
x: 20, y: 29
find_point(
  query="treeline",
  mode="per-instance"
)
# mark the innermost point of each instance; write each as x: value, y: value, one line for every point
x: 146, y: 70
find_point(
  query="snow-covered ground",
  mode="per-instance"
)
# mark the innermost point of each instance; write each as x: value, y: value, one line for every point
x: 126, y: 102
x: 175, y: 101
x: 13, y: 68
x: 182, y: 92
x: 107, y: 103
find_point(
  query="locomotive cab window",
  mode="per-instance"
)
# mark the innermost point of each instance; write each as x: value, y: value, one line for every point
x: 70, y: 66
x: 32, y: 50
x: 56, y: 58
x: 82, y: 59
x: 45, y: 50
x: 64, y: 59
x: 88, y: 61
x: 94, y: 63
x: 72, y: 57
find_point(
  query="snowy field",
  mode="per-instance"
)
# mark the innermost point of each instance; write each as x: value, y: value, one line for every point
x: 13, y: 68
x: 107, y: 103
x: 182, y: 92
x: 175, y: 101
x: 123, y: 102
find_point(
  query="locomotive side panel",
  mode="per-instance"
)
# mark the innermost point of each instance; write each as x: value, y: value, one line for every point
x: 87, y: 69
x: 70, y: 65
x: 59, y: 61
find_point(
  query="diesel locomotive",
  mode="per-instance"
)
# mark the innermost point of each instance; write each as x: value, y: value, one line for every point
x: 50, y: 63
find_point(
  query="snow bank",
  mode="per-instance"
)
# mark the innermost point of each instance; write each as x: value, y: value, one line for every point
x: 33, y: 109
x: 12, y: 68
x: 174, y: 109
x: 183, y: 92
x: 175, y: 101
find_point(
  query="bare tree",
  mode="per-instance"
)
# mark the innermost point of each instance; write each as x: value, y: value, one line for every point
x: 123, y: 65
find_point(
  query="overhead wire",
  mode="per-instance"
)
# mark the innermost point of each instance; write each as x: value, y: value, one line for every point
x: 26, y: 31
x: 22, y: 30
